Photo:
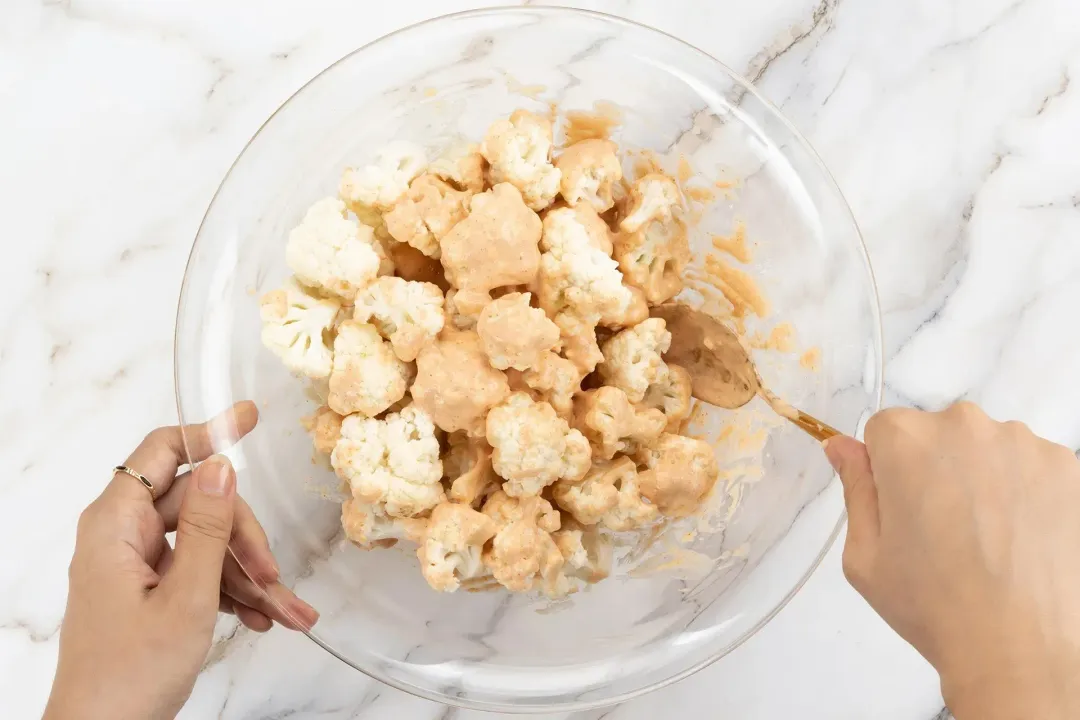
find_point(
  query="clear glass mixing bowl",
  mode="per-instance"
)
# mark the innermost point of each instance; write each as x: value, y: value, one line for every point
x: 780, y: 506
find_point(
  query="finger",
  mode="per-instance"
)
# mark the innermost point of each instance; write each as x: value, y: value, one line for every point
x: 252, y: 619
x: 849, y: 458
x: 249, y: 541
x: 273, y: 600
x: 203, y: 529
x: 163, y: 451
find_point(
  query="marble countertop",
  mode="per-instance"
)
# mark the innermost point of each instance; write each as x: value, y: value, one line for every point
x: 950, y: 126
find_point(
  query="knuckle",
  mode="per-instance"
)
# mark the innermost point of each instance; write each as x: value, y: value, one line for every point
x: 854, y: 566
x: 1016, y: 430
x: 966, y: 411
x: 885, y: 423
x: 203, y: 524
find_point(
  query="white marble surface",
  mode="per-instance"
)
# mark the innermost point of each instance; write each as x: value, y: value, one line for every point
x: 950, y: 125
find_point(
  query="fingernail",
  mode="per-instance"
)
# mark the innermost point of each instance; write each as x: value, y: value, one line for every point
x: 214, y: 475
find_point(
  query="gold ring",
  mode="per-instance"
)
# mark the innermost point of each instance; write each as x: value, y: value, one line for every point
x: 138, y: 476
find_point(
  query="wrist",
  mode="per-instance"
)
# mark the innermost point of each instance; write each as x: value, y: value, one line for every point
x: 1018, y: 691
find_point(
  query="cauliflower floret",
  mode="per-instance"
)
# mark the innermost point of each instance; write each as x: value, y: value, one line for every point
x: 613, y: 425
x: 652, y: 248
x: 519, y: 150
x: 380, y: 184
x: 328, y: 250
x: 631, y: 510
x: 579, y: 342
x: 368, y: 526
x: 297, y: 327
x: 513, y: 334
x: 593, y: 496
x: 590, y: 169
x: 681, y: 472
x: 523, y: 551
x: 462, y: 166
x: 533, y: 447
x: 367, y: 376
x: 556, y: 379
x: 455, y: 383
x: 426, y: 213
x: 467, y: 466
x: 408, y: 314
x: 391, y: 463
x: 495, y: 246
x: 672, y: 396
x: 633, y: 358
x: 587, y: 553
x: 453, y: 547
x: 325, y: 428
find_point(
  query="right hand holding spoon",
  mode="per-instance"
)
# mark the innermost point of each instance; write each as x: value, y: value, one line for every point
x: 964, y: 535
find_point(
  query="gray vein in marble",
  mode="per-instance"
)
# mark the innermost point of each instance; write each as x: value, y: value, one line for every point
x: 822, y: 17
x: 36, y: 635
x: 1003, y: 16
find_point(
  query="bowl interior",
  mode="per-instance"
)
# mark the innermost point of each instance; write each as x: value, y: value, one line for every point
x: 684, y: 597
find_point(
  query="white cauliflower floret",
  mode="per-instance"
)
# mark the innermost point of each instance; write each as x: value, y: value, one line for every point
x: 462, y: 166
x: 556, y: 379
x: 613, y: 425
x: 369, y: 526
x: 408, y: 314
x: 576, y: 269
x: 380, y: 184
x: 297, y: 327
x: 513, y: 334
x: 680, y: 473
x: 328, y: 250
x: 453, y: 546
x: 593, y: 496
x: 426, y: 213
x: 653, y: 249
x: 672, y: 396
x: 392, y: 463
x: 533, y: 447
x: 367, y: 376
x: 631, y: 509
x: 587, y: 553
x: 519, y: 150
x: 633, y: 358
x: 523, y: 553
x: 590, y: 169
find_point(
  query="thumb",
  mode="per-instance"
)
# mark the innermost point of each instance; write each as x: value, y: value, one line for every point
x: 849, y: 458
x: 203, y: 529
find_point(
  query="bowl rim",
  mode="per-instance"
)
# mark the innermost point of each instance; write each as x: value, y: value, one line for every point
x: 874, y: 297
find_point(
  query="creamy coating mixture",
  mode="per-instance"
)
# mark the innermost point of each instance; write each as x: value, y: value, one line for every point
x: 503, y: 388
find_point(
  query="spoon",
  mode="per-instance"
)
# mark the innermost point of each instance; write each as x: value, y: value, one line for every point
x: 720, y: 367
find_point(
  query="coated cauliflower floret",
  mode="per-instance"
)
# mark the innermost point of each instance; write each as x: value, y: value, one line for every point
x: 672, y: 396
x: 652, y: 249
x: 455, y: 383
x: 367, y: 376
x: 387, y: 178
x: 513, y: 334
x: 467, y: 466
x: 590, y: 498
x: 587, y: 553
x: 408, y: 314
x: 411, y: 264
x: 325, y: 429
x: 393, y: 463
x: 612, y: 424
x: 523, y: 554
x: 590, y: 169
x: 633, y: 358
x: 495, y: 246
x: 426, y: 213
x: 579, y: 342
x: 462, y: 166
x: 680, y: 473
x: 519, y: 150
x: 368, y: 526
x: 556, y: 379
x: 327, y: 250
x: 631, y: 509
x: 453, y: 546
x: 297, y: 327
x: 533, y: 447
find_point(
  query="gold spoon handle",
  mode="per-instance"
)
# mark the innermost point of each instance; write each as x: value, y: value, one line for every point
x: 813, y: 427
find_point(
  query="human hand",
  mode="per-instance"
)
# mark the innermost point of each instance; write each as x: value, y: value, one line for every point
x: 140, y: 616
x: 963, y: 536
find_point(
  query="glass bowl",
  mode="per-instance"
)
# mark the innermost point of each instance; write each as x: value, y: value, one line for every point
x: 666, y: 611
